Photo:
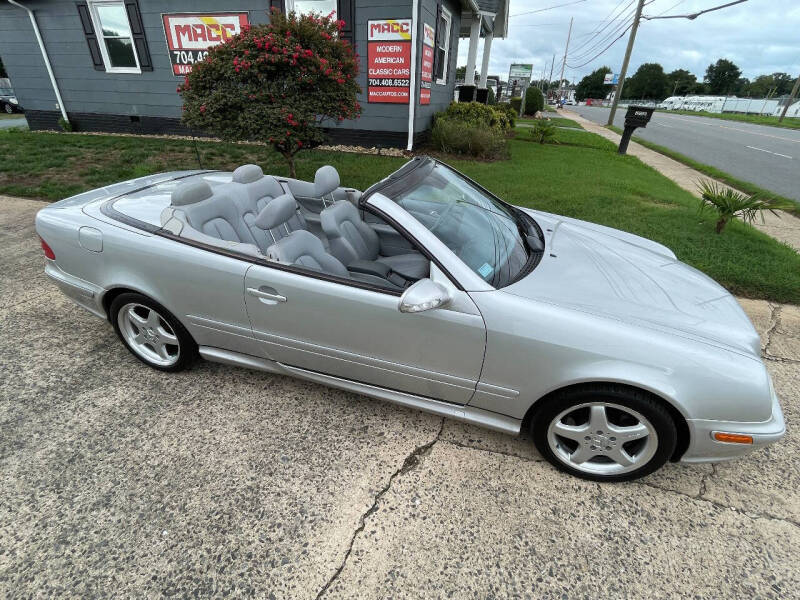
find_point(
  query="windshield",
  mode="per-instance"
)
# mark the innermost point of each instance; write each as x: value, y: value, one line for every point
x: 486, y: 234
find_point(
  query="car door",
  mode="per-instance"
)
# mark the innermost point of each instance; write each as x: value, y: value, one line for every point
x: 323, y: 325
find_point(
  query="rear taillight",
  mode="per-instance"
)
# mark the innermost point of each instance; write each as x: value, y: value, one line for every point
x: 48, y: 251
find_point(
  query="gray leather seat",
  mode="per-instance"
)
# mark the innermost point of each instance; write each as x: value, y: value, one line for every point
x: 300, y: 247
x: 252, y: 191
x: 351, y: 239
x: 215, y: 215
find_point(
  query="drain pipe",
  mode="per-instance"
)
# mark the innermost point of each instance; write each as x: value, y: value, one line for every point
x: 412, y: 80
x: 44, y: 56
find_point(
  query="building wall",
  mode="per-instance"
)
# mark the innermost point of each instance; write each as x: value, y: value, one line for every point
x: 148, y: 101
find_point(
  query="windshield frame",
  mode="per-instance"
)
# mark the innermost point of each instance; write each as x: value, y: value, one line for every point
x: 411, y: 174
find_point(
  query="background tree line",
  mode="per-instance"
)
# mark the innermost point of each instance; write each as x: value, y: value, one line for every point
x: 722, y: 78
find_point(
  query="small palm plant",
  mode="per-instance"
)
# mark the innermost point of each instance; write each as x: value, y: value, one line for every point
x: 544, y: 132
x: 729, y: 203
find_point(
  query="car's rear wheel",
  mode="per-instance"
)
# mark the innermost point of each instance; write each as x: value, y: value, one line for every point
x: 604, y: 432
x: 152, y: 333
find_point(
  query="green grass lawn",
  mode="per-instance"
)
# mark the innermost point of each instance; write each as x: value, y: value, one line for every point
x: 581, y: 177
x: 5, y: 115
x: 787, y: 123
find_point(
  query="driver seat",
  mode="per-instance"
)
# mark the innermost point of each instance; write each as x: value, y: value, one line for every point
x: 351, y: 239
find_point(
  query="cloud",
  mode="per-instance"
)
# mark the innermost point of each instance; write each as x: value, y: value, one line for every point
x: 759, y: 36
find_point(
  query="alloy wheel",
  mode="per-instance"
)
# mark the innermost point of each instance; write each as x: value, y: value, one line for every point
x: 148, y: 334
x: 602, y: 438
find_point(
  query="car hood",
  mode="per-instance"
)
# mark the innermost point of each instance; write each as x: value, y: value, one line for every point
x: 607, y: 272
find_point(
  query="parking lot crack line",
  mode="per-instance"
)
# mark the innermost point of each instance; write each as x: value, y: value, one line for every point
x: 753, y: 516
x: 410, y: 462
x: 775, y: 321
x: 704, y: 482
x: 500, y: 452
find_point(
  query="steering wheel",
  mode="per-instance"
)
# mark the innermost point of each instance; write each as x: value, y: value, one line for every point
x: 445, y: 212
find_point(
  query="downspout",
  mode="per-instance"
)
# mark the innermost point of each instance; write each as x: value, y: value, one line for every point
x: 44, y: 56
x: 412, y: 91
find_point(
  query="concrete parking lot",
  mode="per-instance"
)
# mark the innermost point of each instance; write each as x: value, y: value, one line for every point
x: 117, y: 480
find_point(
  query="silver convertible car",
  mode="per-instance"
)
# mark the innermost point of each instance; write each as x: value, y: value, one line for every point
x: 428, y: 291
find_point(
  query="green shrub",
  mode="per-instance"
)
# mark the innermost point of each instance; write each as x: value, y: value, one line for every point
x: 728, y: 204
x: 455, y: 137
x: 534, y: 101
x: 490, y: 97
x: 64, y: 124
x: 509, y: 111
x: 477, y: 115
x: 516, y: 103
x: 543, y: 131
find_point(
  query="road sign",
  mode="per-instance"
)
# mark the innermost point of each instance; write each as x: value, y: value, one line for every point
x: 388, y: 60
x: 519, y: 71
x: 611, y: 79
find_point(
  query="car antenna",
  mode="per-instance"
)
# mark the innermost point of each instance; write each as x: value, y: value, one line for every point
x: 196, y: 151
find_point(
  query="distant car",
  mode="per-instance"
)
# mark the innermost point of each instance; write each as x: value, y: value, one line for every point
x: 9, y: 104
x: 571, y: 102
x: 427, y: 291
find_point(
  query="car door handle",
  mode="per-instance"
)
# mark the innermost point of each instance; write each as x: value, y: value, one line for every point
x: 272, y: 295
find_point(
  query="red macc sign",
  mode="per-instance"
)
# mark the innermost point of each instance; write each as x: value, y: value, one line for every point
x: 190, y: 35
x: 389, y: 61
x: 426, y: 69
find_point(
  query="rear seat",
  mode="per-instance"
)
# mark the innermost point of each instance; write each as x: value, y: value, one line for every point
x: 197, y: 212
x: 251, y: 191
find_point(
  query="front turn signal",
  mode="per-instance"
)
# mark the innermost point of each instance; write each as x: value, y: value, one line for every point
x: 733, y: 438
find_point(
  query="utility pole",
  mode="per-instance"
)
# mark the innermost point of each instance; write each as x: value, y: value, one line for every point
x: 789, y: 101
x: 552, y: 64
x: 625, y: 61
x: 566, y: 49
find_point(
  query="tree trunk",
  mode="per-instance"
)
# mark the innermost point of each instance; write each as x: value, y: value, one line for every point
x: 721, y: 224
x: 290, y: 159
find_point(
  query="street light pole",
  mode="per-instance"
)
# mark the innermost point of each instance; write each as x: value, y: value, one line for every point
x: 792, y: 96
x: 625, y: 61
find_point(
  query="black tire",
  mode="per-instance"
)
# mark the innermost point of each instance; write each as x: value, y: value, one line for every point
x: 645, y: 404
x: 187, y: 353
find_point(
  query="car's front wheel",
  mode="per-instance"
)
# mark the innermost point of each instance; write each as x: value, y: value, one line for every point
x: 152, y: 333
x: 7, y: 108
x: 604, y: 432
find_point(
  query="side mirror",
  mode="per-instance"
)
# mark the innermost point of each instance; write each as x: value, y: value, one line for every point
x: 425, y: 294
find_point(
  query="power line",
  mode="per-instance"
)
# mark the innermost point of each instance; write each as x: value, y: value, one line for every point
x: 693, y: 16
x: 588, y: 50
x: 530, y: 12
x: 612, y: 16
x: 599, y: 54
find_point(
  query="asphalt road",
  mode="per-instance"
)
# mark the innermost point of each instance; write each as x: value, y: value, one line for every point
x: 13, y: 122
x: 766, y: 156
x: 120, y: 481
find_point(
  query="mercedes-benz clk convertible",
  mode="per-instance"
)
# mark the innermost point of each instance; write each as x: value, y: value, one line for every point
x: 428, y: 291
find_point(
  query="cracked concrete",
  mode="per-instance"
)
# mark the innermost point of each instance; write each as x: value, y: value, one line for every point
x: 119, y: 480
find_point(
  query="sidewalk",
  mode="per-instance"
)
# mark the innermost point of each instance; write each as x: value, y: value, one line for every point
x: 784, y: 228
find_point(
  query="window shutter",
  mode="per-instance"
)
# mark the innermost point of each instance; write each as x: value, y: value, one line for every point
x: 437, y: 39
x: 137, y: 33
x: 91, y: 38
x: 345, y: 11
x: 279, y: 5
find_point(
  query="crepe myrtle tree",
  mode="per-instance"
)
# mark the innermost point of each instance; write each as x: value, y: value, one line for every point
x: 276, y: 83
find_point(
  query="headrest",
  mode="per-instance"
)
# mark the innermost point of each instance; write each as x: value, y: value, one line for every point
x: 326, y: 180
x: 247, y: 174
x: 277, y: 212
x: 190, y: 192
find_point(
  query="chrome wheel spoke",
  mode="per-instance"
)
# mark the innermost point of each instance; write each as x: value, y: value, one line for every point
x: 576, y: 433
x: 135, y: 318
x: 630, y: 433
x: 621, y: 457
x: 598, y: 419
x: 581, y: 455
x: 167, y: 337
x: 153, y: 320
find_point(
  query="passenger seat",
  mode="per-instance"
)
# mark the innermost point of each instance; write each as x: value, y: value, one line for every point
x: 351, y: 239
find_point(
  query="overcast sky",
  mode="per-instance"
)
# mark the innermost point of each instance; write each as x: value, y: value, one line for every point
x: 760, y: 36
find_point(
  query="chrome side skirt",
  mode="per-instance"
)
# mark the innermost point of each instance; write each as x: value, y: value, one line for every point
x: 467, y: 414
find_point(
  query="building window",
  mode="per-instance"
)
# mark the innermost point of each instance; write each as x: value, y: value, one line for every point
x: 114, y: 36
x: 442, y: 46
x: 306, y: 7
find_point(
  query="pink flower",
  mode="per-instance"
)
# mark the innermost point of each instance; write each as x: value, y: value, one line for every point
x: 202, y: 108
